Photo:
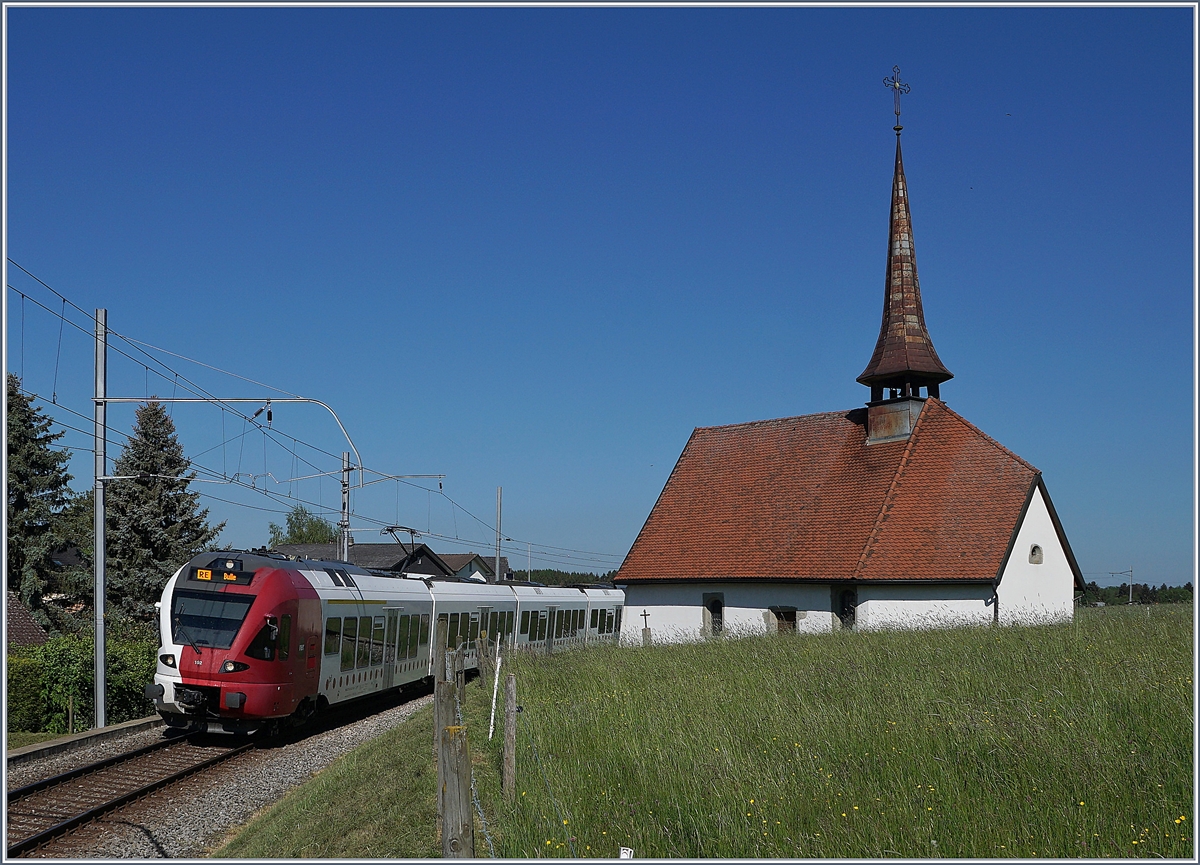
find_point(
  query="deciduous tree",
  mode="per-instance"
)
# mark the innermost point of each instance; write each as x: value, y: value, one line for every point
x: 303, y: 527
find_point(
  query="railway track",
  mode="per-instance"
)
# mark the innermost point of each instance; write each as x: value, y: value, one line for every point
x: 44, y: 810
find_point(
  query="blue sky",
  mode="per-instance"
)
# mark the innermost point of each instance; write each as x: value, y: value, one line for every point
x: 534, y: 248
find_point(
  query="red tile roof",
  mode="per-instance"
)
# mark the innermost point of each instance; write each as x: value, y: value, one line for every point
x: 23, y: 629
x: 807, y: 497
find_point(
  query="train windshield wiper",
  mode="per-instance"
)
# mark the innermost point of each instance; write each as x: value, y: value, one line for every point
x: 183, y: 630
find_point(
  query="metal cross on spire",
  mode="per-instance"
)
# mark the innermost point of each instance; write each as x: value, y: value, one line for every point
x: 897, y: 87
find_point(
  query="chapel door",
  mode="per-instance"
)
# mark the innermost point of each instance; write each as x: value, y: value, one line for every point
x: 848, y: 607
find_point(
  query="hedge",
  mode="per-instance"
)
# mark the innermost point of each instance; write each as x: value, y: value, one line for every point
x: 42, y: 681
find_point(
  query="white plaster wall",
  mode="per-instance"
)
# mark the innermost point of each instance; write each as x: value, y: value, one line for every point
x: 676, y: 612
x: 1030, y: 594
x: 941, y: 605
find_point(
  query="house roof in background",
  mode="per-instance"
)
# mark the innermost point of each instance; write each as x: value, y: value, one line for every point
x: 23, y: 629
x: 807, y: 497
x: 458, y: 561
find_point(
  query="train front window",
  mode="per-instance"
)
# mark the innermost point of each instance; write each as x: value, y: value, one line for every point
x: 208, y: 618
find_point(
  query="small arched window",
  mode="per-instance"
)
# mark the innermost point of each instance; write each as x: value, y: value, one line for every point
x: 1035, y: 555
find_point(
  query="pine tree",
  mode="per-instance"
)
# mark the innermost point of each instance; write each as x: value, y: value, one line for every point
x: 153, y: 522
x: 37, y: 494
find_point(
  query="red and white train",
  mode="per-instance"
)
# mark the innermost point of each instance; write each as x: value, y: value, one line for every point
x: 251, y: 639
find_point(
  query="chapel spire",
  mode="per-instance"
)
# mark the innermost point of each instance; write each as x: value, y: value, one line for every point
x: 904, y: 358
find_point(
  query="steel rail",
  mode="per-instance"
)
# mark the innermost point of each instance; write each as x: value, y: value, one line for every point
x: 41, y: 838
x: 18, y: 793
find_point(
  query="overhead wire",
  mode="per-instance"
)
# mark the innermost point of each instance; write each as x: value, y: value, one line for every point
x: 189, y: 386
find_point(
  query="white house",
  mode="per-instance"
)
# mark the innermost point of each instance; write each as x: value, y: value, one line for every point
x: 902, y: 514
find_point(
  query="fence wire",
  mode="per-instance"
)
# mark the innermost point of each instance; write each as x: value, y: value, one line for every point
x: 474, y: 791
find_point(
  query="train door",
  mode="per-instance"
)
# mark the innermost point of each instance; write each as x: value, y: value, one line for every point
x: 472, y: 636
x: 389, y: 648
x: 310, y: 659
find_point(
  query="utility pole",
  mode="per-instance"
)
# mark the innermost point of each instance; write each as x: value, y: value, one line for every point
x: 528, y: 560
x: 101, y: 436
x: 344, y: 552
x: 496, y: 575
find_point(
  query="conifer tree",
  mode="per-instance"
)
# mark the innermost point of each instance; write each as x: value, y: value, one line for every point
x: 154, y: 523
x: 37, y: 493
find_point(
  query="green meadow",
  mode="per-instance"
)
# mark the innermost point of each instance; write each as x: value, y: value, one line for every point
x: 1058, y: 741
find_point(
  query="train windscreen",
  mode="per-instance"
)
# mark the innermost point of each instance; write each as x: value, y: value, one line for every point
x: 208, y: 618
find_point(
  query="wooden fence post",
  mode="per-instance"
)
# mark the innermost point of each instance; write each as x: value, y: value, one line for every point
x: 443, y: 707
x: 509, y: 776
x: 458, y: 822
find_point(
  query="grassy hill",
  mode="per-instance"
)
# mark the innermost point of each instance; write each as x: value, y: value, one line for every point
x: 1062, y: 741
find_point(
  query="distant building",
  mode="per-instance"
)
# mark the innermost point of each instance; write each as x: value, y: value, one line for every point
x: 416, y: 559
x: 472, y: 566
x: 897, y: 515
x: 22, y: 627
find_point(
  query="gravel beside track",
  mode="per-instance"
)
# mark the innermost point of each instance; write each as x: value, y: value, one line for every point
x: 189, y: 819
x: 35, y: 770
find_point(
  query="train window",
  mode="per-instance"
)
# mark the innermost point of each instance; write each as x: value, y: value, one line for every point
x: 333, y: 635
x: 452, y: 632
x: 377, y: 642
x: 285, y: 637
x: 363, y: 656
x: 403, y: 641
x: 617, y: 626
x: 595, y: 616
x: 579, y: 614
x: 561, y: 620
x: 333, y: 575
x: 349, y: 641
x: 541, y: 630
x: 474, y: 635
x: 508, y: 624
x: 524, y: 622
x: 389, y: 643
x: 208, y: 618
x: 493, y: 625
x: 425, y: 630
x: 413, y: 630
x: 264, y: 642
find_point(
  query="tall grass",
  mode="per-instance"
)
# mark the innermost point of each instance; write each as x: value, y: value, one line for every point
x: 1056, y: 741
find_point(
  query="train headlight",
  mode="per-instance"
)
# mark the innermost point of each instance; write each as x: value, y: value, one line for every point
x: 234, y: 667
x: 168, y: 660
